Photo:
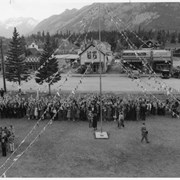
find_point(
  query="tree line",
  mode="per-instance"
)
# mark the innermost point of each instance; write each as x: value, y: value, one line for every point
x: 114, y: 38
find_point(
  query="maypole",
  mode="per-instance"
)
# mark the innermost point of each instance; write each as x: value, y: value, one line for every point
x: 100, y: 66
x: 101, y: 134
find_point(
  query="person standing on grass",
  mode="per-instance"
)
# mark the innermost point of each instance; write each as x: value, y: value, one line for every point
x: 2, y: 92
x: 90, y: 117
x: 94, y: 117
x: 4, y: 143
x: 144, y: 133
x: 121, y: 120
x: 11, y: 138
x: 36, y: 112
x: 68, y: 113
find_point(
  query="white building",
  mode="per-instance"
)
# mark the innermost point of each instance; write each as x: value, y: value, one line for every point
x: 33, y: 45
x: 93, y: 53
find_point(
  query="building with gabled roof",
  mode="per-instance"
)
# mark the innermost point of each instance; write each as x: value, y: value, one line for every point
x: 33, y: 53
x: 150, y: 44
x: 92, y: 54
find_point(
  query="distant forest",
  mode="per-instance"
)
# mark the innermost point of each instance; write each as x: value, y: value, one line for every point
x: 117, y: 40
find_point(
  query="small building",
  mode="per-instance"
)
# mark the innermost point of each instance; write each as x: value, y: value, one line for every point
x: 161, y: 60
x: 92, y: 54
x: 33, y: 45
x: 136, y: 57
x: 150, y: 44
x: 33, y: 53
x: 156, y: 58
x: 32, y: 63
x: 65, y: 59
x: 176, y: 53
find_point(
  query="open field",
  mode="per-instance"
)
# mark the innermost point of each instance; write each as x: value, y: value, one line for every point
x: 110, y: 83
x: 69, y: 149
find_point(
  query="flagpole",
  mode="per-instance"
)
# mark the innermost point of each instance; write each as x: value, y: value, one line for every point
x: 100, y: 66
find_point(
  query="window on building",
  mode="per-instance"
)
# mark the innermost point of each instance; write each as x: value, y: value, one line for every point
x: 89, y: 54
x: 94, y: 54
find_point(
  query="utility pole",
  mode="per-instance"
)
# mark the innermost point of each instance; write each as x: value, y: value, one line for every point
x: 2, y: 63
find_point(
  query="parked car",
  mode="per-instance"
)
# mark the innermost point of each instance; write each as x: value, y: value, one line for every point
x: 165, y: 74
x: 175, y: 72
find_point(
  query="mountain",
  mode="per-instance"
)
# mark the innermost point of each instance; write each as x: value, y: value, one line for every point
x: 161, y: 15
x: 23, y: 25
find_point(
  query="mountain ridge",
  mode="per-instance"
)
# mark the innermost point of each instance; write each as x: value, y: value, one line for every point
x: 147, y: 15
x: 23, y: 24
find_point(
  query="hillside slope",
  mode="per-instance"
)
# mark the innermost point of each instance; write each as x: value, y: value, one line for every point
x: 147, y: 15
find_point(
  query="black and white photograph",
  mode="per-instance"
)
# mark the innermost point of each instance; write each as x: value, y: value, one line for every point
x: 89, y: 89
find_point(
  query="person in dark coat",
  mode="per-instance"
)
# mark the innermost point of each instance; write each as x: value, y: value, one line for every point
x: 2, y: 92
x: 94, y: 111
x: 144, y: 133
x: 4, y: 143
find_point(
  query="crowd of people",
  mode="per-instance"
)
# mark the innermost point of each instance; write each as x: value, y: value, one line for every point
x: 84, y: 107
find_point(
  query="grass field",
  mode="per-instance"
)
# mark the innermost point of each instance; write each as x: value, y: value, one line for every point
x: 69, y: 149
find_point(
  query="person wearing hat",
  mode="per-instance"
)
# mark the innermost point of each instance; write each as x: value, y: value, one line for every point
x: 144, y: 133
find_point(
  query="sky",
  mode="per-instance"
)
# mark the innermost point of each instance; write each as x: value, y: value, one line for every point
x: 41, y: 9
x: 38, y: 9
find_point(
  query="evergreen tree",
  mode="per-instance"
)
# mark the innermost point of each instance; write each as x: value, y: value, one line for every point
x: 16, y: 69
x: 178, y: 37
x: 49, y: 66
x: 159, y: 36
x: 23, y: 45
x: 163, y: 39
x: 173, y: 38
x: 168, y: 35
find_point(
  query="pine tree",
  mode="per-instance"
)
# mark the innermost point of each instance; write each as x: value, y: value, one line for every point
x: 48, y: 71
x: 16, y: 69
x: 23, y: 45
x: 173, y: 38
x: 159, y: 36
x: 178, y: 37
